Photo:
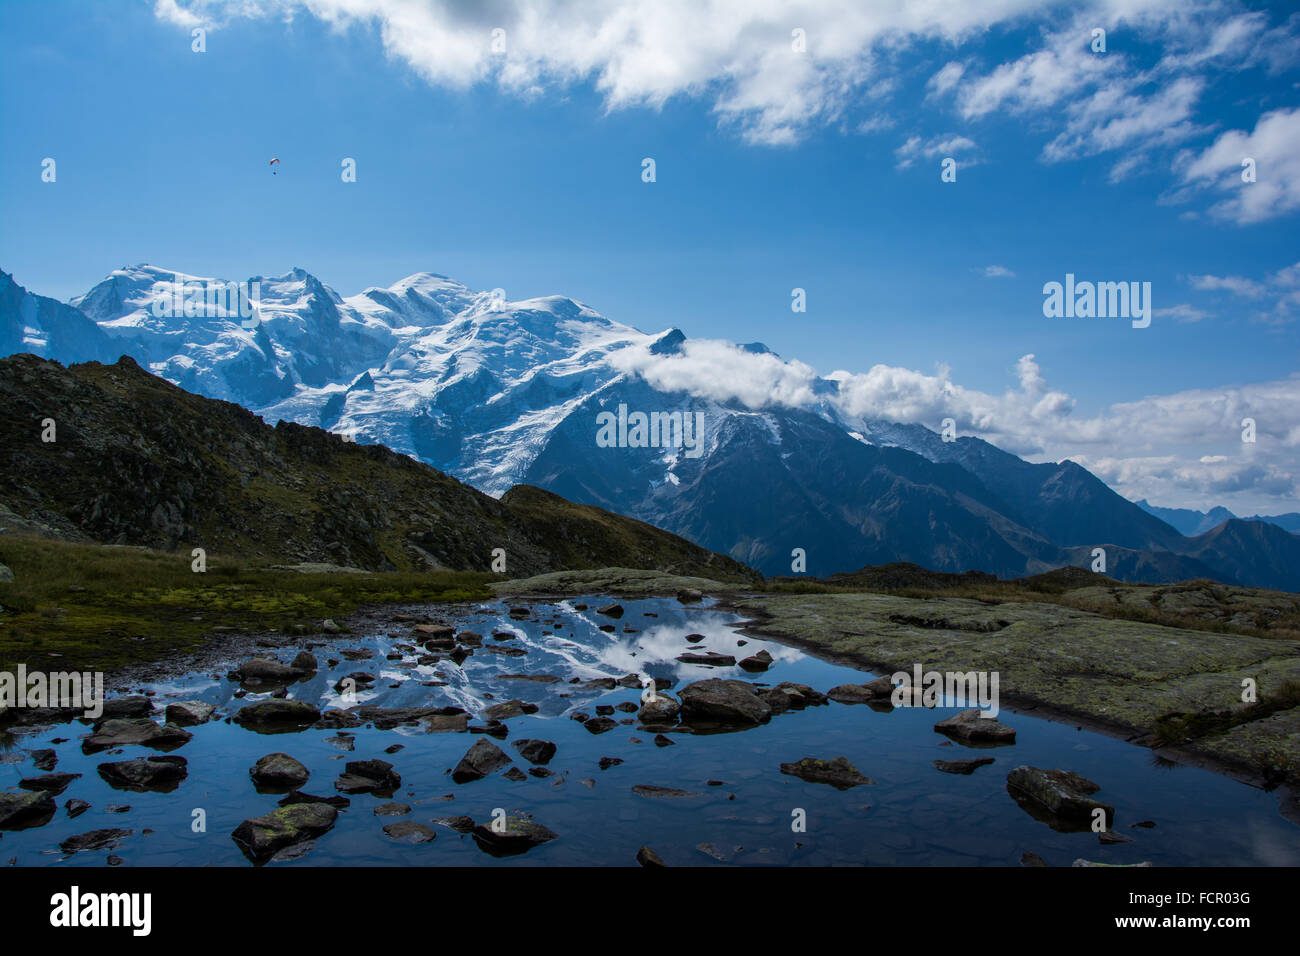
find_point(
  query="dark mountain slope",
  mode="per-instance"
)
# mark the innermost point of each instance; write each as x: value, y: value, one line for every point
x: 139, y: 461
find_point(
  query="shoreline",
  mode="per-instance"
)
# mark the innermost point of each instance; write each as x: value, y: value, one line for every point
x: 759, y: 623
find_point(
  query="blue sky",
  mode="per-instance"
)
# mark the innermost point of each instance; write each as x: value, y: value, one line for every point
x: 775, y: 170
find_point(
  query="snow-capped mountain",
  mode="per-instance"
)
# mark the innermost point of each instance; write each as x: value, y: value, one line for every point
x: 499, y: 392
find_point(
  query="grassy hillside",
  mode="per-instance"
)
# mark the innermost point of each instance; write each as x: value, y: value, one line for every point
x: 138, y: 461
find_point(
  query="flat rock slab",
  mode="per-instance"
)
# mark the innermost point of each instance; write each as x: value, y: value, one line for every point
x: 972, y: 725
x: 408, y: 831
x: 707, y: 658
x: 137, y: 731
x: 877, y: 690
x: 94, y: 840
x: 838, y: 772
x: 52, y: 783
x: 652, y: 792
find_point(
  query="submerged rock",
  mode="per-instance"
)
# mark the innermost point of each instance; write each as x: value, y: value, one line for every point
x: 1060, y: 798
x: 652, y: 792
x: 599, y: 725
x: 962, y: 766
x: 839, y: 773
x: 408, y: 831
x: 94, y: 840
x: 262, y: 837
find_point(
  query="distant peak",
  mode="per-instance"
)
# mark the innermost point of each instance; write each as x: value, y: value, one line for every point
x: 670, y: 343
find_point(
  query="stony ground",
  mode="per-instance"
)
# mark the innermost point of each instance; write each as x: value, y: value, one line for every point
x: 1116, y: 674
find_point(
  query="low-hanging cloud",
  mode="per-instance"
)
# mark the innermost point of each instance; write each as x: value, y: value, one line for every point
x: 1183, y: 449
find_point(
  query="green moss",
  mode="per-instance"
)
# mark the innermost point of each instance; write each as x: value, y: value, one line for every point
x: 90, y: 606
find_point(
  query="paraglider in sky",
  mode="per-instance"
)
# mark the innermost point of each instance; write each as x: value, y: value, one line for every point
x: 273, y: 164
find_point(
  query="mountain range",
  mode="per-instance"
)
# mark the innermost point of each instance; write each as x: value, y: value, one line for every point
x: 502, y: 393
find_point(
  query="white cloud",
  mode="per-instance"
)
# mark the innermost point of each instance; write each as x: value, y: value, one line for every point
x: 948, y: 145
x: 1182, y: 313
x: 1181, y: 449
x: 1274, y: 145
x: 1279, y: 293
x: 998, y: 272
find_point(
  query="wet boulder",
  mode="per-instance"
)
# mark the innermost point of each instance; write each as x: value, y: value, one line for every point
x: 879, y: 689
x: 535, y: 751
x: 511, y: 836
x: 368, y: 776
x: 19, y: 811
x: 756, y: 663
x: 265, y: 670
x: 1061, y: 798
x: 483, y: 758
x: 158, y: 774
x: 649, y: 858
x: 278, y: 773
x: 611, y: 610
x: 277, y: 716
x: 123, y: 708
x: 262, y: 837
x: 659, y: 709
x: 732, y: 703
